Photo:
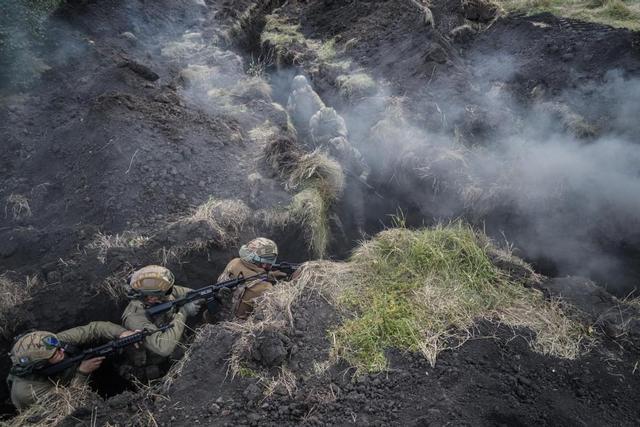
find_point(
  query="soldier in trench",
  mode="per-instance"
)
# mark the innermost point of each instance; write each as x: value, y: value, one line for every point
x: 149, y: 286
x: 257, y: 256
x: 37, y: 350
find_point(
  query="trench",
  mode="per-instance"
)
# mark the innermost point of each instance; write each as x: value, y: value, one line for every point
x: 200, y: 269
x: 500, y: 223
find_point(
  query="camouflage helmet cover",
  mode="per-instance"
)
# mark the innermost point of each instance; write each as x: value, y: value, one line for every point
x: 33, y: 347
x: 152, y: 280
x: 259, y: 251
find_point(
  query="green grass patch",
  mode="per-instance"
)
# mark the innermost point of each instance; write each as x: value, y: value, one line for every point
x: 423, y: 290
x: 617, y: 13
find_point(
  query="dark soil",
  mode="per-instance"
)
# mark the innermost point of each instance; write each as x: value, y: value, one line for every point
x: 113, y: 140
x: 110, y: 141
x: 489, y: 381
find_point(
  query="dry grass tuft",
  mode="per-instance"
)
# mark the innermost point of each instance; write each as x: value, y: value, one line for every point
x: 319, y: 171
x: 226, y: 217
x: 309, y: 210
x: 12, y: 294
x: 103, y: 242
x: 115, y: 284
x: 356, y: 85
x: 282, y: 155
x: 53, y: 407
x: 253, y: 88
x: 18, y: 206
x: 617, y: 13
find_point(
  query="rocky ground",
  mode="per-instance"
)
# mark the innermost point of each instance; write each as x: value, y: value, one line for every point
x: 151, y: 109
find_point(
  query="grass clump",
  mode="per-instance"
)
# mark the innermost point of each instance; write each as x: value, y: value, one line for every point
x: 310, y: 210
x: 227, y: 217
x: 356, y: 85
x: 617, y: 13
x: 104, y: 242
x: 318, y: 170
x: 53, y: 407
x: 321, y: 181
x: 280, y: 36
x: 423, y: 290
x: 12, y: 294
x: 18, y: 206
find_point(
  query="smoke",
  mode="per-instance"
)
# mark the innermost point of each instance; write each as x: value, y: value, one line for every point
x: 556, y: 174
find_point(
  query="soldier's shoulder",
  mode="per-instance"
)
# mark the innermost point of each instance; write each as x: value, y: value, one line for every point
x: 134, y: 308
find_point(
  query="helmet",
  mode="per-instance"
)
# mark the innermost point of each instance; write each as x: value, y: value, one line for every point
x: 299, y: 82
x: 259, y: 251
x: 152, y: 280
x: 33, y: 347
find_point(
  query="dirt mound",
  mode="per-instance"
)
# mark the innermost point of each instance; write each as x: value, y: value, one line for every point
x: 257, y: 375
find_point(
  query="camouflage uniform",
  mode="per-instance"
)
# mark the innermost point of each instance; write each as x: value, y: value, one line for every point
x: 303, y: 103
x: 147, y: 362
x: 253, y: 255
x: 25, y: 390
x: 329, y: 133
x: 244, y: 295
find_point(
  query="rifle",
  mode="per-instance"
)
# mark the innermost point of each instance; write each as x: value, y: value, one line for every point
x: 208, y: 293
x: 101, y: 351
x: 286, y: 267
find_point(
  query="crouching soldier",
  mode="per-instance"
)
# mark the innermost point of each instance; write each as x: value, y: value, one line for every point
x: 149, y: 286
x: 34, y: 352
x: 257, y: 256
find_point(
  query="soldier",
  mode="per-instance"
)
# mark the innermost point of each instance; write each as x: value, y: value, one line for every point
x: 303, y: 103
x: 36, y: 350
x: 149, y: 286
x: 257, y: 256
x: 329, y: 133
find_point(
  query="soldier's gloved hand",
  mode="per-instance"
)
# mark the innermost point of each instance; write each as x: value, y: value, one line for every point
x: 276, y: 275
x: 191, y: 309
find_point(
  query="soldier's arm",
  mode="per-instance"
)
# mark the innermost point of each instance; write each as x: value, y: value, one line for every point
x: 94, y: 331
x: 181, y: 291
x: 161, y: 343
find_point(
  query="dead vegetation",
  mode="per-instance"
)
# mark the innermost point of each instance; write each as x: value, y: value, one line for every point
x: 54, y: 406
x: 617, y: 13
x: 102, y: 243
x: 12, y: 294
x: 18, y: 207
x: 226, y: 219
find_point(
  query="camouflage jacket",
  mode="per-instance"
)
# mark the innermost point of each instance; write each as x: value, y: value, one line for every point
x: 158, y: 347
x: 26, y: 390
x: 244, y: 295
